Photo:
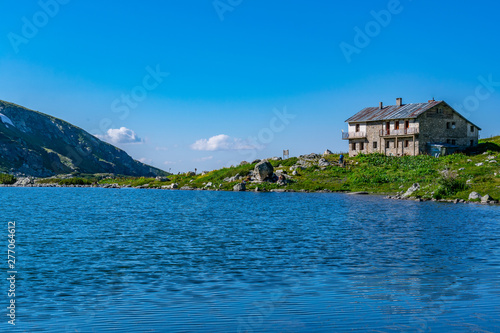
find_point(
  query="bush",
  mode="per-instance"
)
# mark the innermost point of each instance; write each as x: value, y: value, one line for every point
x: 7, y: 179
x: 449, y: 184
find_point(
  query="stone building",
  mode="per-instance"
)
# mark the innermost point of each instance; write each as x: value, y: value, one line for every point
x: 409, y: 129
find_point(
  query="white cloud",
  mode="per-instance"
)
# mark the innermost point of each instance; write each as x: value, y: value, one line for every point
x: 203, y: 159
x: 161, y: 148
x: 120, y: 135
x: 169, y: 162
x: 222, y: 142
x: 145, y: 160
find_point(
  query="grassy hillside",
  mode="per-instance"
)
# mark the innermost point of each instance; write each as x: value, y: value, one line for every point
x: 447, y: 177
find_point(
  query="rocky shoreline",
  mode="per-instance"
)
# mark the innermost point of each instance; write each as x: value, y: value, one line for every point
x: 484, y: 200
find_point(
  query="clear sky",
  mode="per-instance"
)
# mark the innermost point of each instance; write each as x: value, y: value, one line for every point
x: 204, y: 84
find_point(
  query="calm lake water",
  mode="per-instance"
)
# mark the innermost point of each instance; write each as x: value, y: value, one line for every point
x: 177, y: 261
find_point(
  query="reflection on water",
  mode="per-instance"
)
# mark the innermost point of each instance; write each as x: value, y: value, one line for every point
x: 166, y: 261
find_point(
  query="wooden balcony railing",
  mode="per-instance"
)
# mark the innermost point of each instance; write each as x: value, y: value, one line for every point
x: 353, y: 135
x: 396, y: 132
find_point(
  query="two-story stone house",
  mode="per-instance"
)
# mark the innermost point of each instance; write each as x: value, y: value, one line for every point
x: 409, y: 129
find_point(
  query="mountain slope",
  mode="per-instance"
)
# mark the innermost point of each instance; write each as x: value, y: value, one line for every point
x: 39, y: 145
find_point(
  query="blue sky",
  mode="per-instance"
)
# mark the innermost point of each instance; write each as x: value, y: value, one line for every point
x: 205, y: 84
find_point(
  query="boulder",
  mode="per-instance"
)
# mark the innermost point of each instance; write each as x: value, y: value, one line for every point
x: 415, y: 187
x: 480, y: 164
x: 276, y: 158
x: 311, y: 156
x: 162, y: 179
x: 486, y: 198
x: 263, y: 171
x: 239, y: 187
x: 474, y: 196
x: 233, y: 178
x: 190, y: 173
x: 255, y: 161
x: 323, y: 163
x: 327, y: 152
x: 209, y: 184
x: 24, y: 181
x: 243, y: 163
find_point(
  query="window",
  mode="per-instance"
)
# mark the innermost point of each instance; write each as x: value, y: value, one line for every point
x: 448, y: 125
x: 472, y: 128
x: 440, y: 111
x: 453, y: 142
x: 396, y: 125
x: 388, y: 144
x: 448, y: 141
x: 471, y: 143
x: 407, y: 143
x: 453, y: 125
x: 353, y: 146
x: 374, y: 144
x: 407, y: 124
x: 357, y: 127
x: 361, y: 146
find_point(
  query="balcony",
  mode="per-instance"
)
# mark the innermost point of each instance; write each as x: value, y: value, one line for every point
x: 353, y: 135
x: 399, y: 132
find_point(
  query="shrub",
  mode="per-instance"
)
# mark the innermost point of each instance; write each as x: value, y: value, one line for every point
x: 449, y: 184
x: 7, y: 179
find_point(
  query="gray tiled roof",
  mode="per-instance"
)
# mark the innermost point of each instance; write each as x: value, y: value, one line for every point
x: 405, y: 111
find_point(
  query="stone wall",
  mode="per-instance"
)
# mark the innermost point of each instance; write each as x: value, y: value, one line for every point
x: 442, y: 124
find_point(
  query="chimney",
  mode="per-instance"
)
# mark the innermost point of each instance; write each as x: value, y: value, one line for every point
x: 399, y: 101
x: 380, y: 106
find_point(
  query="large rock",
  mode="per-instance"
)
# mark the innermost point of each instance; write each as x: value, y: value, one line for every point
x: 239, y: 187
x: 323, y: 163
x: 263, y: 171
x: 24, y: 181
x: 485, y: 198
x: 327, y: 152
x: 474, y: 196
x: 415, y: 187
x: 162, y: 179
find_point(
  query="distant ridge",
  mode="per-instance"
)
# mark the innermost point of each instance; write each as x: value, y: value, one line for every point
x: 39, y: 145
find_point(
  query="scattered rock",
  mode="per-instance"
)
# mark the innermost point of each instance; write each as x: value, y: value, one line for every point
x: 486, y: 198
x: 190, y: 174
x: 493, y: 161
x: 243, y: 163
x: 413, y: 188
x: 276, y: 158
x: 263, y: 171
x: 480, y: 164
x: 257, y: 189
x: 24, y: 181
x: 469, y: 160
x: 233, y: 178
x: 255, y: 161
x: 209, y: 184
x: 323, y: 163
x: 474, y: 196
x: 162, y: 179
x: 309, y: 157
x: 239, y: 187
x: 295, y: 173
x: 490, y: 157
x: 187, y: 188
x: 327, y: 152
x: 461, y: 169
